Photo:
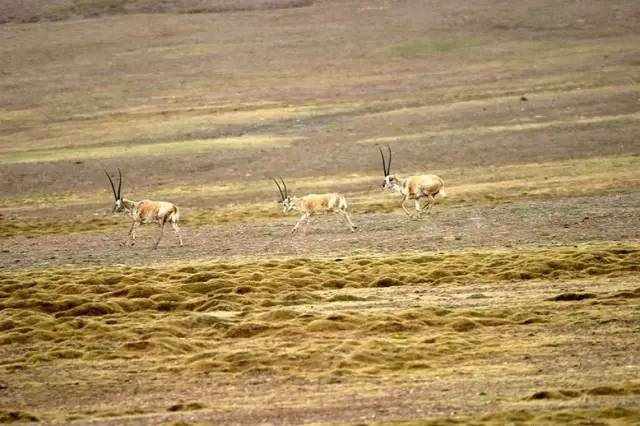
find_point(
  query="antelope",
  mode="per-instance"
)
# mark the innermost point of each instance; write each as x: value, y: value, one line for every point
x: 415, y: 188
x: 145, y: 211
x: 313, y: 204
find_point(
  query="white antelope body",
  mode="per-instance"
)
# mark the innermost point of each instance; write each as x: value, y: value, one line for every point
x: 145, y: 211
x: 417, y: 187
x: 314, y: 204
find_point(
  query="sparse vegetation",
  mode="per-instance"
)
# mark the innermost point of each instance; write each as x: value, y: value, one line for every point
x: 429, y: 47
x: 610, y: 416
x: 238, y: 317
x: 515, y: 301
x: 73, y: 9
x: 498, y: 185
x: 143, y: 150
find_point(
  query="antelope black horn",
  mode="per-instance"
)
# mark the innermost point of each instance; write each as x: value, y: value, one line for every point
x: 389, y: 162
x: 384, y: 163
x: 119, y: 183
x: 113, y: 188
x: 286, y: 191
x: 279, y: 189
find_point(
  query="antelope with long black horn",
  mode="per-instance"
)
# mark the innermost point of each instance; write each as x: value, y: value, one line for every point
x: 417, y: 187
x: 313, y: 204
x: 145, y: 211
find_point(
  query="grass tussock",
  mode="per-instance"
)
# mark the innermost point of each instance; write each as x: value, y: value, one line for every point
x: 17, y: 416
x: 189, y: 406
x: 630, y: 388
x: 238, y: 317
x: 606, y: 415
x: 34, y: 227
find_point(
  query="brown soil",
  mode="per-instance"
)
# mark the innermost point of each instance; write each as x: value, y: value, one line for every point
x: 557, y: 222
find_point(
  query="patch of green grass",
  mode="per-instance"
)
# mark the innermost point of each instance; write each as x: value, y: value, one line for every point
x: 33, y: 227
x: 146, y: 149
x: 150, y: 124
x: 607, y: 121
x: 428, y: 47
x: 98, y: 7
x: 81, y: 8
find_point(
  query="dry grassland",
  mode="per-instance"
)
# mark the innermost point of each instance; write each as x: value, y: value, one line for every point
x: 478, y: 186
x: 517, y: 301
x: 347, y: 320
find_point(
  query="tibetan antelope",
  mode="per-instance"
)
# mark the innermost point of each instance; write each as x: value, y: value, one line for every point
x: 145, y: 211
x: 313, y: 204
x: 412, y: 187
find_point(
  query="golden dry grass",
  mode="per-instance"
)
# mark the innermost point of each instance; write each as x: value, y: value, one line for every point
x: 509, y: 103
x: 610, y: 416
x: 612, y: 120
x: 179, y: 147
x: 328, y: 320
x: 58, y: 310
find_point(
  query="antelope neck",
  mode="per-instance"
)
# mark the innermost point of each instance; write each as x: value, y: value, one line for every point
x: 399, y: 185
x: 294, y: 203
x: 128, y: 205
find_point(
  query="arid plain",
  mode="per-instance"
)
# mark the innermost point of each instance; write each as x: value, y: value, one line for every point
x: 517, y: 300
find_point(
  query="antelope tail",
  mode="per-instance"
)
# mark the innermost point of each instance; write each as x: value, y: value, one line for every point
x: 442, y: 192
x: 342, y: 204
x: 174, y: 216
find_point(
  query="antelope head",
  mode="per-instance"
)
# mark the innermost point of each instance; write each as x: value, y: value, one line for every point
x: 390, y: 181
x: 285, y: 199
x: 118, y: 205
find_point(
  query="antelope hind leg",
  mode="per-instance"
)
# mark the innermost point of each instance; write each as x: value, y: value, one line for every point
x: 419, y: 208
x: 131, y: 237
x: 346, y: 216
x: 176, y: 229
x: 432, y: 200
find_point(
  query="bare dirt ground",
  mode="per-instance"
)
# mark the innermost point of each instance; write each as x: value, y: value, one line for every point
x: 557, y: 222
x: 515, y: 301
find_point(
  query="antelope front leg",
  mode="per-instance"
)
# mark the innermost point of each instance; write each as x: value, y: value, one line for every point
x: 404, y: 198
x: 300, y: 221
x: 160, y: 236
x: 307, y: 224
x: 131, y: 236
